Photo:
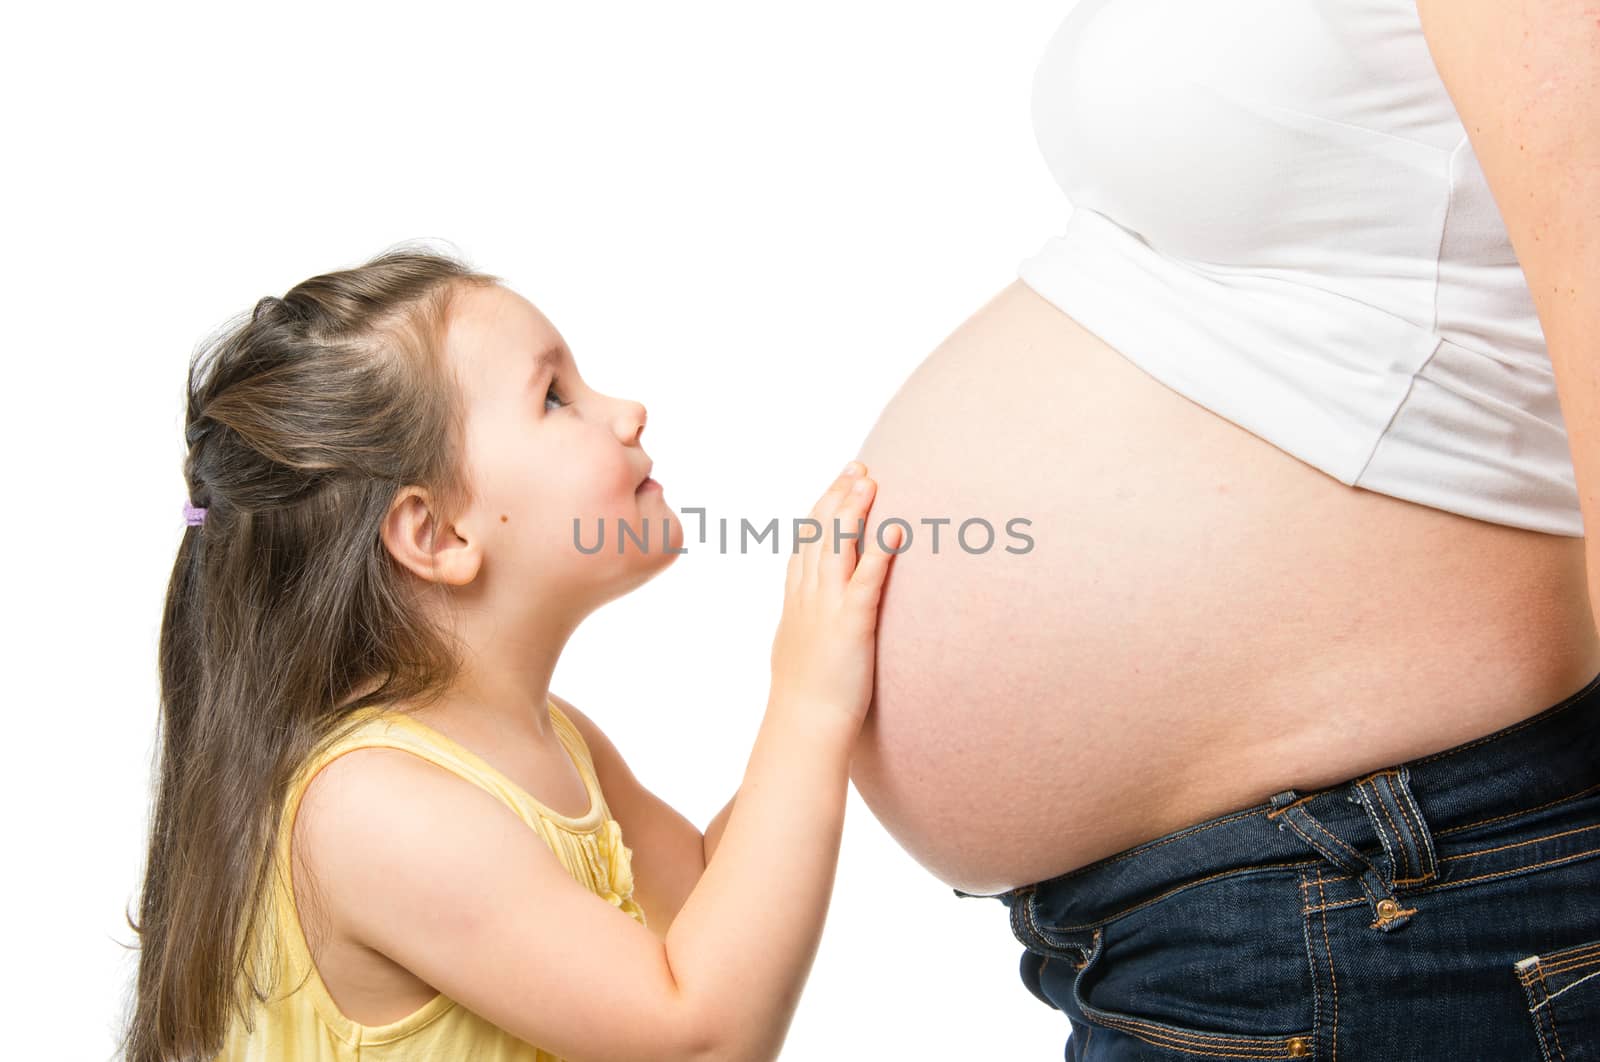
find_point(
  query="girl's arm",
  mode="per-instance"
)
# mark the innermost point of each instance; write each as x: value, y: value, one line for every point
x: 434, y: 873
x: 669, y: 852
x: 713, y: 834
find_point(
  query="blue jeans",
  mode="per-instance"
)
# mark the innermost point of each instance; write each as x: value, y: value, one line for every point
x: 1444, y: 908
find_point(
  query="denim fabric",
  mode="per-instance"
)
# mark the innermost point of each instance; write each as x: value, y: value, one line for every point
x: 1445, y: 908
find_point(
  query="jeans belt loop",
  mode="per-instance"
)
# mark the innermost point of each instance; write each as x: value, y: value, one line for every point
x: 1289, y: 808
x: 1398, y: 821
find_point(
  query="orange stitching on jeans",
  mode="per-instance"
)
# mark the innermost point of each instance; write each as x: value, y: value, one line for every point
x: 1550, y: 1012
x: 1193, y: 1042
x: 1172, y: 1032
x: 1535, y: 1008
x: 1524, y: 811
x: 1188, y: 1040
x: 1561, y: 962
x: 1584, y: 953
x: 1536, y: 1011
x: 1519, y: 844
x: 1569, y: 953
x: 1275, y: 812
x: 1514, y: 870
x: 1179, y: 888
x: 1327, y: 946
x: 1191, y: 1039
x: 1576, y: 964
x: 1196, y: 1051
x: 1366, y: 887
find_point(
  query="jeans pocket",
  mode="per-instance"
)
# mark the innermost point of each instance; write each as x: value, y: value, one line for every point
x: 1185, y: 1040
x: 1563, y: 992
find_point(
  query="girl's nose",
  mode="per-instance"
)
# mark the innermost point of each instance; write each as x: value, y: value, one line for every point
x: 631, y: 421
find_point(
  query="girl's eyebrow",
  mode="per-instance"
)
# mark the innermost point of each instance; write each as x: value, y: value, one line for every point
x: 542, y: 361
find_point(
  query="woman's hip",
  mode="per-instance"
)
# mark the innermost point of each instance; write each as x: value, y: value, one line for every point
x: 1447, y: 907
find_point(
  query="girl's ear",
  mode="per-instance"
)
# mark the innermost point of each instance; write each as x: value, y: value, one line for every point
x: 430, y: 549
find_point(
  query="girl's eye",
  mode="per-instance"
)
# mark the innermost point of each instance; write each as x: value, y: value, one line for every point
x: 550, y: 392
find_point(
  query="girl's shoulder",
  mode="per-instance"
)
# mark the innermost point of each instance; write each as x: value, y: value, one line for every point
x: 388, y: 727
x: 371, y: 727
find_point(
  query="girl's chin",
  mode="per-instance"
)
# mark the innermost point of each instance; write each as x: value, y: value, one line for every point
x: 658, y: 521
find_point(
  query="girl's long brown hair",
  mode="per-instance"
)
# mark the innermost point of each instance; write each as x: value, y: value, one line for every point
x: 305, y: 416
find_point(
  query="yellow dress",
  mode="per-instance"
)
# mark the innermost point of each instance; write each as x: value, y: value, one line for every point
x: 301, y: 1023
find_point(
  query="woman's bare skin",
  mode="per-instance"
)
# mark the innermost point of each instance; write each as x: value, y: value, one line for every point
x: 1203, y: 620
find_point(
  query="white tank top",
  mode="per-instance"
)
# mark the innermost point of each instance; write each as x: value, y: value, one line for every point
x: 1276, y: 212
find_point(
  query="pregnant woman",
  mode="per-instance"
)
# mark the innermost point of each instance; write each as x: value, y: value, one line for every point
x: 1282, y: 738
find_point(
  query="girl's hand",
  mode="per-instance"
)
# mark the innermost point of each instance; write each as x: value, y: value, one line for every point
x: 824, y: 652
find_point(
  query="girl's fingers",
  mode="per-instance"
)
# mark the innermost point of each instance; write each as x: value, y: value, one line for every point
x: 867, y: 580
x: 836, y: 490
x: 822, y: 513
x: 849, y: 519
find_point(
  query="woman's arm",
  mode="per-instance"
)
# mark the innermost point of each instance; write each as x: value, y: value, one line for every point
x: 1525, y: 79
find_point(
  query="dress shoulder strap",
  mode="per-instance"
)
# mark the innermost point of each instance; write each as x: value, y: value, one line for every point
x: 572, y: 737
x: 380, y: 729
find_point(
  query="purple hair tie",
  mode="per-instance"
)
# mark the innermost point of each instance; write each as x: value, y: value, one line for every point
x: 191, y: 515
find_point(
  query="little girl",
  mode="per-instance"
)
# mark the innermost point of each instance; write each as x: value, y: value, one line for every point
x: 377, y: 834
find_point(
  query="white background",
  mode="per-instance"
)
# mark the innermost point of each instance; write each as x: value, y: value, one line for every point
x: 757, y: 219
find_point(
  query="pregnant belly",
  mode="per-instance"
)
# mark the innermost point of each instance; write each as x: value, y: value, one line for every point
x: 1172, y: 618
